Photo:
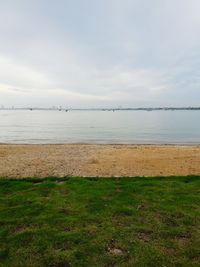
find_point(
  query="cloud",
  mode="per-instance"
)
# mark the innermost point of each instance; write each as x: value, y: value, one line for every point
x: 99, y: 53
x: 19, y: 75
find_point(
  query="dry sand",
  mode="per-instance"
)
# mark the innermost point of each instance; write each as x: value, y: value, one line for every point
x: 98, y: 160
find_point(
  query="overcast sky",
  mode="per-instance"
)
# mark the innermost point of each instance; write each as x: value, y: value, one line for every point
x: 100, y: 53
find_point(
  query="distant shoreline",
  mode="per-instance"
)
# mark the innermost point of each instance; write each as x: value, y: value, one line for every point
x: 105, y: 109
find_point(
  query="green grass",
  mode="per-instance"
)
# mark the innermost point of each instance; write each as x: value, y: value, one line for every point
x: 100, y: 222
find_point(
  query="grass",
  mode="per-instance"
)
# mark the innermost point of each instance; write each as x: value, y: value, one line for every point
x: 135, y: 222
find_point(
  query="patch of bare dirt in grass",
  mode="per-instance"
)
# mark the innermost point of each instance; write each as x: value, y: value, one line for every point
x: 170, y: 251
x: 22, y: 228
x: 113, y: 249
x: 146, y: 237
x: 59, y: 182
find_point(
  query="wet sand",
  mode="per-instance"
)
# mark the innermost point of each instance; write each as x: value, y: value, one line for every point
x: 98, y: 160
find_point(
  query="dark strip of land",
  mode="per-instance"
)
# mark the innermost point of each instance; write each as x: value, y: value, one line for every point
x: 106, y: 109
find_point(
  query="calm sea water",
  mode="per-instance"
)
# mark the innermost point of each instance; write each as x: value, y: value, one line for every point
x: 132, y: 127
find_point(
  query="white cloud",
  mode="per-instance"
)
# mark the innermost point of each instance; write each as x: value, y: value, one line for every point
x: 99, y: 53
x: 16, y: 74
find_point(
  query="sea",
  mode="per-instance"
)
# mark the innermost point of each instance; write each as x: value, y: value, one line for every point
x: 100, y: 127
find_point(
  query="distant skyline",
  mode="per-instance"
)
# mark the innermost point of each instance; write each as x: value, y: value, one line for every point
x: 108, y: 53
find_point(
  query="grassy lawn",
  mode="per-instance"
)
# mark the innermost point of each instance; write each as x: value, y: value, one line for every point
x: 100, y: 222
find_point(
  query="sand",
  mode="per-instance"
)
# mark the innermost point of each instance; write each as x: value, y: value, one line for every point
x: 98, y: 160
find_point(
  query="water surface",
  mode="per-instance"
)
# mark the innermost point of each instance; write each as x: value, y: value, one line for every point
x: 123, y: 127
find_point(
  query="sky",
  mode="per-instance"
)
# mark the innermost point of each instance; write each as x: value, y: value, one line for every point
x: 99, y: 53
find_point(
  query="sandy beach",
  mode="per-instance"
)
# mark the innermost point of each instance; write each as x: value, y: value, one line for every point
x: 98, y: 160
